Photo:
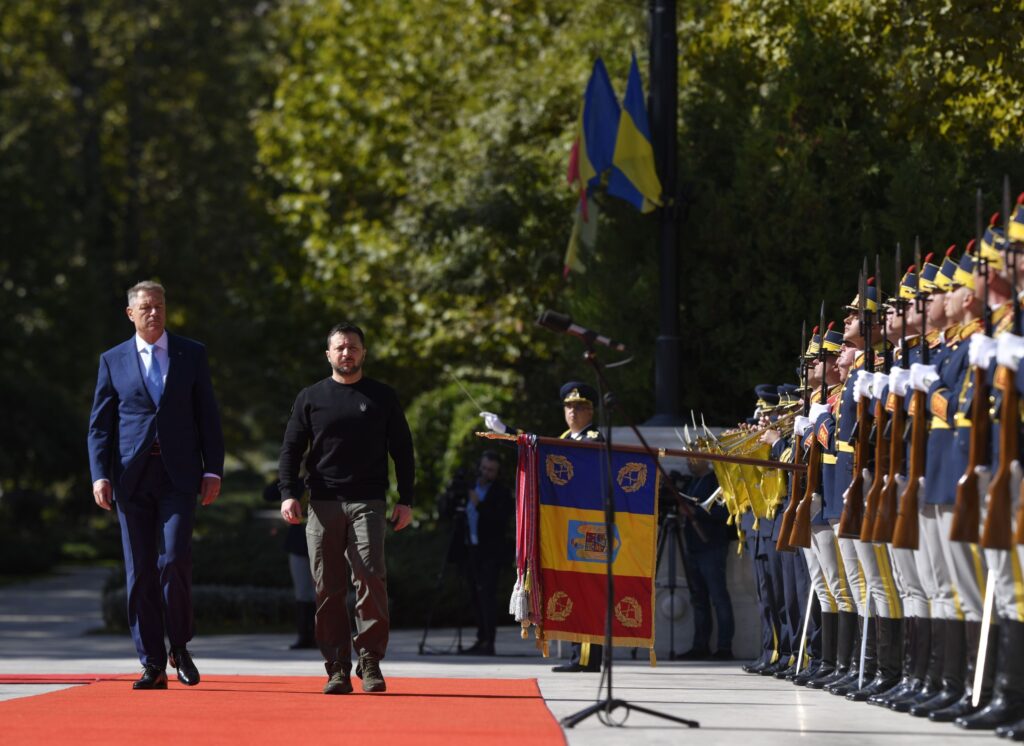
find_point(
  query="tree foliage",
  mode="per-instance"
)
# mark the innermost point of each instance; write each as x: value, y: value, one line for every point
x: 283, y: 165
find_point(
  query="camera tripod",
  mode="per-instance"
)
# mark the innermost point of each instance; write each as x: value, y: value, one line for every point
x: 455, y: 554
x: 670, y: 535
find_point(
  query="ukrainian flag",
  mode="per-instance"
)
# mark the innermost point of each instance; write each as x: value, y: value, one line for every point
x: 596, y: 132
x: 634, y: 177
x: 575, y: 547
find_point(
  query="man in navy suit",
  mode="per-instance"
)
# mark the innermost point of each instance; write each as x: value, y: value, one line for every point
x: 154, y: 444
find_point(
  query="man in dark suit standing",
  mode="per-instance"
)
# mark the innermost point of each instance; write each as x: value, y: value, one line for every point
x: 155, y: 443
x: 489, y: 509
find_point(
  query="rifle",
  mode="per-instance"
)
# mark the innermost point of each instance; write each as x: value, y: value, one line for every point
x: 800, y: 536
x: 881, y: 515
x: 967, y: 510
x: 782, y: 543
x: 853, y: 499
x: 905, y: 534
x: 996, y: 532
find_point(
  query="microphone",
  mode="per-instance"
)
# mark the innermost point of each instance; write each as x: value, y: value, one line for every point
x: 560, y: 322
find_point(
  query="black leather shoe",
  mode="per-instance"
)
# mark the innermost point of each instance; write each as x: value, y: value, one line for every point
x: 181, y: 659
x: 479, y: 648
x: 152, y: 678
x: 693, y: 654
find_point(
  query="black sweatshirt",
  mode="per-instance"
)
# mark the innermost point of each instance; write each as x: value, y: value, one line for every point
x: 349, y: 429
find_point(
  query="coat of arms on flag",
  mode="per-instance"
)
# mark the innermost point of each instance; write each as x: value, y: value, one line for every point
x: 563, y: 543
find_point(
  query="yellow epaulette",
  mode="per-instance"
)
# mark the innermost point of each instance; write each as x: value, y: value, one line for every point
x: 1002, y: 318
x: 970, y: 329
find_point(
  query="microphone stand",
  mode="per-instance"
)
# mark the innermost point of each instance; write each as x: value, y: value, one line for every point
x: 608, y: 703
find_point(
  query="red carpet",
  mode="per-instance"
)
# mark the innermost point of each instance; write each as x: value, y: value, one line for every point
x: 278, y: 710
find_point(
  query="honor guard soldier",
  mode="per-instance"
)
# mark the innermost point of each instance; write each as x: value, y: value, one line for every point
x: 838, y: 612
x: 863, y: 332
x: 1003, y: 674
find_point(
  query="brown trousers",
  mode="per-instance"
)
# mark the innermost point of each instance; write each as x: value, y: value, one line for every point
x: 347, y: 538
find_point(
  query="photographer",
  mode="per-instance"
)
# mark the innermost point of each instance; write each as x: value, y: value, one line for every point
x: 489, y: 507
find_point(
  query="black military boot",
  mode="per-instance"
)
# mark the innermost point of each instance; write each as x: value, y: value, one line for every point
x: 953, y: 667
x: 845, y: 632
x: 1014, y: 731
x: 913, y: 628
x: 1007, y: 703
x: 933, y: 671
x: 808, y: 672
x: 964, y: 706
x: 890, y: 660
x: 852, y: 682
x: 826, y: 665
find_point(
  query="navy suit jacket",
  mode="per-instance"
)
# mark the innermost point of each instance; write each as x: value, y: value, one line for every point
x: 125, y: 421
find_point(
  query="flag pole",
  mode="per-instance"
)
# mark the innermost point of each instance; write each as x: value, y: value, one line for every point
x: 663, y: 106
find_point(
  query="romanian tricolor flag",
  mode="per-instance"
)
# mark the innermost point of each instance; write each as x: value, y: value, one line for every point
x: 574, y: 545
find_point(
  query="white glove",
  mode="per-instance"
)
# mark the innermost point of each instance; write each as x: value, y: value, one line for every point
x: 981, y: 350
x: 863, y: 384
x: 878, y: 384
x: 1009, y: 350
x: 815, y: 504
x: 800, y: 425
x: 1016, y: 476
x: 869, y: 480
x: 984, y: 474
x: 923, y: 376
x: 817, y: 410
x: 493, y: 423
x: 901, y: 484
x: 899, y: 380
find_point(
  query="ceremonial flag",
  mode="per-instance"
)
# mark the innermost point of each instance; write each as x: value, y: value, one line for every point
x: 574, y: 546
x: 584, y: 234
x: 634, y: 177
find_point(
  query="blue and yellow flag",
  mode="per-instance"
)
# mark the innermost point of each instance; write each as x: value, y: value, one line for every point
x: 574, y: 545
x: 634, y: 177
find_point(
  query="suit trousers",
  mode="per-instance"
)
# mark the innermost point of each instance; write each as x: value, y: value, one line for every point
x: 708, y: 588
x: 156, y: 536
x: 346, y: 537
x: 483, y: 568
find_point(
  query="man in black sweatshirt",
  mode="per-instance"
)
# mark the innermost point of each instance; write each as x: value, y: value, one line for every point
x: 347, y: 425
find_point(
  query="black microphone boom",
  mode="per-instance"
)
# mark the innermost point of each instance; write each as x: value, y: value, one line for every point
x: 560, y: 322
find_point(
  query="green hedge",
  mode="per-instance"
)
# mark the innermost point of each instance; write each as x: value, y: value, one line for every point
x: 225, y: 596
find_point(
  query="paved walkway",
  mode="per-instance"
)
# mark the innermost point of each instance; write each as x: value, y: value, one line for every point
x: 47, y: 626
